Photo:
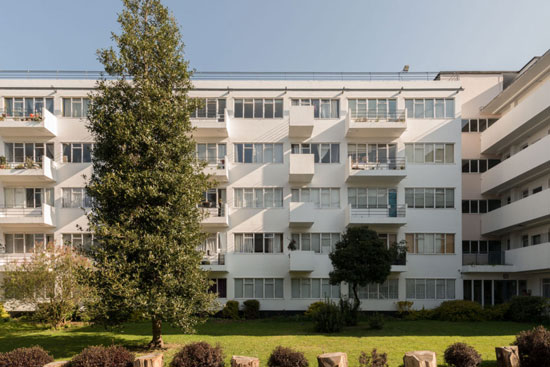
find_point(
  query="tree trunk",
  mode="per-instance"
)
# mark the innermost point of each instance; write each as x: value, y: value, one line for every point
x: 356, y: 302
x: 156, y: 342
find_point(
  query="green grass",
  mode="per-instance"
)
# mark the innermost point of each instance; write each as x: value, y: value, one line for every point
x: 258, y: 338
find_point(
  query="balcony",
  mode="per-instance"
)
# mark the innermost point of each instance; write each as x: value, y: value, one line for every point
x: 301, y: 261
x: 28, y: 218
x: 530, y: 258
x: 391, y: 125
x: 215, y: 217
x: 215, y: 263
x: 29, y: 173
x: 400, y: 264
x: 393, y: 215
x: 216, y: 127
x: 300, y: 121
x: 531, y: 111
x: 301, y: 215
x: 527, y: 163
x: 32, y: 125
x: 490, y: 262
x: 525, y: 212
x: 388, y: 171
x: 302, y: 168
x: 218, y: 169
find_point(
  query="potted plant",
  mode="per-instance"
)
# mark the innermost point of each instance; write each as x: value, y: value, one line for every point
x: 292, y: 245
x: 2, y: 162
x: 29, y: 163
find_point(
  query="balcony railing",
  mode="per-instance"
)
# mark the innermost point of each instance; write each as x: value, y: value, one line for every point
x: 489, y: 258
x: 215, y: 259
x: 219, y: 117
x: 375, y: 116
x: 400, y: 260
x: 214, y: 162
x: 213, y: 211
x: 392, y: 211
x: 387, y: 164
x: 8, y: 212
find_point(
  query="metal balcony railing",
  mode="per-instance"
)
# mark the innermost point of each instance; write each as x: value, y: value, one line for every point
x: 213, y: 209
x: 214, y: 162
x: 379, y: 116
x: 215, y: 259
x: 489, y: 258
x: 392, y: 211
x: 21, y: 212
x: 385, y: 164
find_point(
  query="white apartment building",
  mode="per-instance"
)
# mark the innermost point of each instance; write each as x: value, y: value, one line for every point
x: 297, y: 157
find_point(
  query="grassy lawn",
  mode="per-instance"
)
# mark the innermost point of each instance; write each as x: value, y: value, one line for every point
x: 258, y: 338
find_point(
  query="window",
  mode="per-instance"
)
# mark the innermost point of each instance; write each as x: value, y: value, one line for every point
x: 211, y: 153
x: 372, y: 197
x: 317, y: 242
x: 537, y: 189
x: 18, y: 152
x: 322, y: 153
x: 478, y: 165
x: 374, y: 109
x: 322, y: 197
x: 536, y: 239
x: 77, y: 152
x: 24, y: 243
x: 76, y: 197
x: 268, y: 243
x: 314, y: 288
x: 253, y: 288
x: 429, y: 108
x: 219, y: 286
x: 267, y: 108
x: 430, y: 243
x: 210, y: 108
x: 479, y: 206
x: 258, y: 153
x: 322, y: 108
x: 372, y: 153
x: 433, y: 153
x: 476, y: 125
x: 546, y: 287
x: 430, y: 288
x: 387, y: 290
x: 268, y: 197
x: 19, y: 197
x: 524, y: 241
x: 83, y: 241
x: 76, y: 107
x: 25, y: 107
x: 430, y: 197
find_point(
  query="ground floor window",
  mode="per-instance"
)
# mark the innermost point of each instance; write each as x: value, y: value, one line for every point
x: 489, y: 292
x: 259, y: 288
x: 219, y: 286
x: 546, y: 287
x: 430, y: 288
x: 317, y: 288
x: 387, y: 290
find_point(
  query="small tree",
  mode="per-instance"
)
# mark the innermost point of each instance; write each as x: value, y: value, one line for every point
x: 360, y: 258
x: 48, y: 281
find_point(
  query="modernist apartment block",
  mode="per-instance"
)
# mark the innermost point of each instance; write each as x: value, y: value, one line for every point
x: 455, y: 164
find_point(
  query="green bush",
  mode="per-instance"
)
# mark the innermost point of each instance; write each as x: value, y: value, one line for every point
x: 423, y: 314
x: 329, y: 318
x: 349, y: 315
x: 534, y: 347
x: 462, y: 355
x: 231, y: 310
x: 404, y: 308
x: 313, y: 309
x: 496, y: 313
x: 4, y: 315
x: 200, y: 354
x: 25, y: 357
x: 251, y: 309
x: 459, y: 311
x: 373, y: 360
x: 286, y: 357
x: 100, y: 356
x: 528, y: 309
x: 376, y: 321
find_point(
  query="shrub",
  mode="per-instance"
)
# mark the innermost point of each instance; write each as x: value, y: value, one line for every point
x: 329, y: 318
x: 462, y: 355
x: 286, y: 357
x: 404, y: 307
x: 231, y: 310
x: 376, y: 321
x: 25, y: 357
x: 373, y: 360
x: 199, y: 354
x: 528, y: 309
x: 4, y: 315
x: 422, y: 314
x: 496, y: 313
x: 313, y: 309
x: 534, y: 347
x: 100, y: 356
x: 459, y: 311
x: 251, y: 309
x: 349, y: 315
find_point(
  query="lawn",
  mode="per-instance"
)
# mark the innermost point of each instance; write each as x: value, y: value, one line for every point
x: 258, y: 338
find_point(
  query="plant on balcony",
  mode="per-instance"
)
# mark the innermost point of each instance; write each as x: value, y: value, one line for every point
x: 20, y: 166
x: 3, y: 162
x: 292, y: 245
x: 30, y: 163
x: 35, y: 117
x: 2, y: 117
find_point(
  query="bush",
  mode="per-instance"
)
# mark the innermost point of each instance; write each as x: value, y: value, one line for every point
x: 100, y: 356
x: 4, y: 315
x: 376, y: 321
x: 25, y: 357
x: 534, y: 347
x: 313, y: 309
x: 404, y: 307
x: 349, y: 315
x: 422, y: 314
x: 528, y: 309
x: 199, y: 354
x: 251, y: 309
x: 496, y: 313
x: 329, y: 318
x: 459, y: 311
x: 231, y: 310
x: 286, y: 357
x: 373, y: 360
x: 462, y: 355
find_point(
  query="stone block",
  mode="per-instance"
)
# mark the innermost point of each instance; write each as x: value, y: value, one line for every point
x: 422, y: 358
x: 507, y: 356
x: 333, y: 360
x: 149, y: 360
x: 57, y: 364
x: 243, y: 361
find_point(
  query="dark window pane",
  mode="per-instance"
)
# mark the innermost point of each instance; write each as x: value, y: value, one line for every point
x: 473, y: 166
x: 258, y: 242
x: 66, y: 152
x: 315, y: 151
x: 278, y: 108
x: 482, y: 165
x: 335, y: 153
x: 473, y: 126
x: 465, y: 206
x: 483, y: 206
x: 473, y: 206
x: 482, y: 125
x: 465, y: 166
x: 494, y: 204
x: 87, y: 153
x: 222, y: 288
x: 259, y: 108
x: 465, y: 126
x: 238, y: 108
x: 493, y: 162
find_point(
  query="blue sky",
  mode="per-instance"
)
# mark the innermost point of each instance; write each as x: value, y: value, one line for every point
x: 292, y: 35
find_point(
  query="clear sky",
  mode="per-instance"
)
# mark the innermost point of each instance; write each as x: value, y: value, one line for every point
x: 292, y: 35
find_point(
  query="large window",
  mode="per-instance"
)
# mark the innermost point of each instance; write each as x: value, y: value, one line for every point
x: 480, y: 246
x: 25, y: 107
x: 214, y: 201
x: 258, y: 108
x: 77, y: 152
x: 76, y: 107
x: 430, y: 108
x: 476, y: 125
x: 258, y: 153
x: 371, y: 109
x: 372, y: 153
x: 24, y: 243
x: 372, y: 197
x: 430, y: 243
x: 18, y: 152
x: 430, y: 153
x: 322, y: 108
x: 258, y: 288
x: 19, y: 197
x: 430, y: 197
x: 430, y: 288
x: 76, y: 197
x: 219, y: 287
x: 266, y: 197
x: 211, y: 108
x: 314, y: 288
x: 81, y: 241
x: 479, y: 206
x: 267, y: 243
x: 317, y: 242
x: 387, y: 290
x: 322, y: 153
x: 478, y: 165
x: 212, y: 153
x: 322, y: 197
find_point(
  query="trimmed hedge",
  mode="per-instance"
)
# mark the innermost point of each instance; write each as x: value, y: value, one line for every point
x: 459, y: 311
x: 251, y: 309
x: 231, y: 310
x: 200, y: 354
x: 528, y: 309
